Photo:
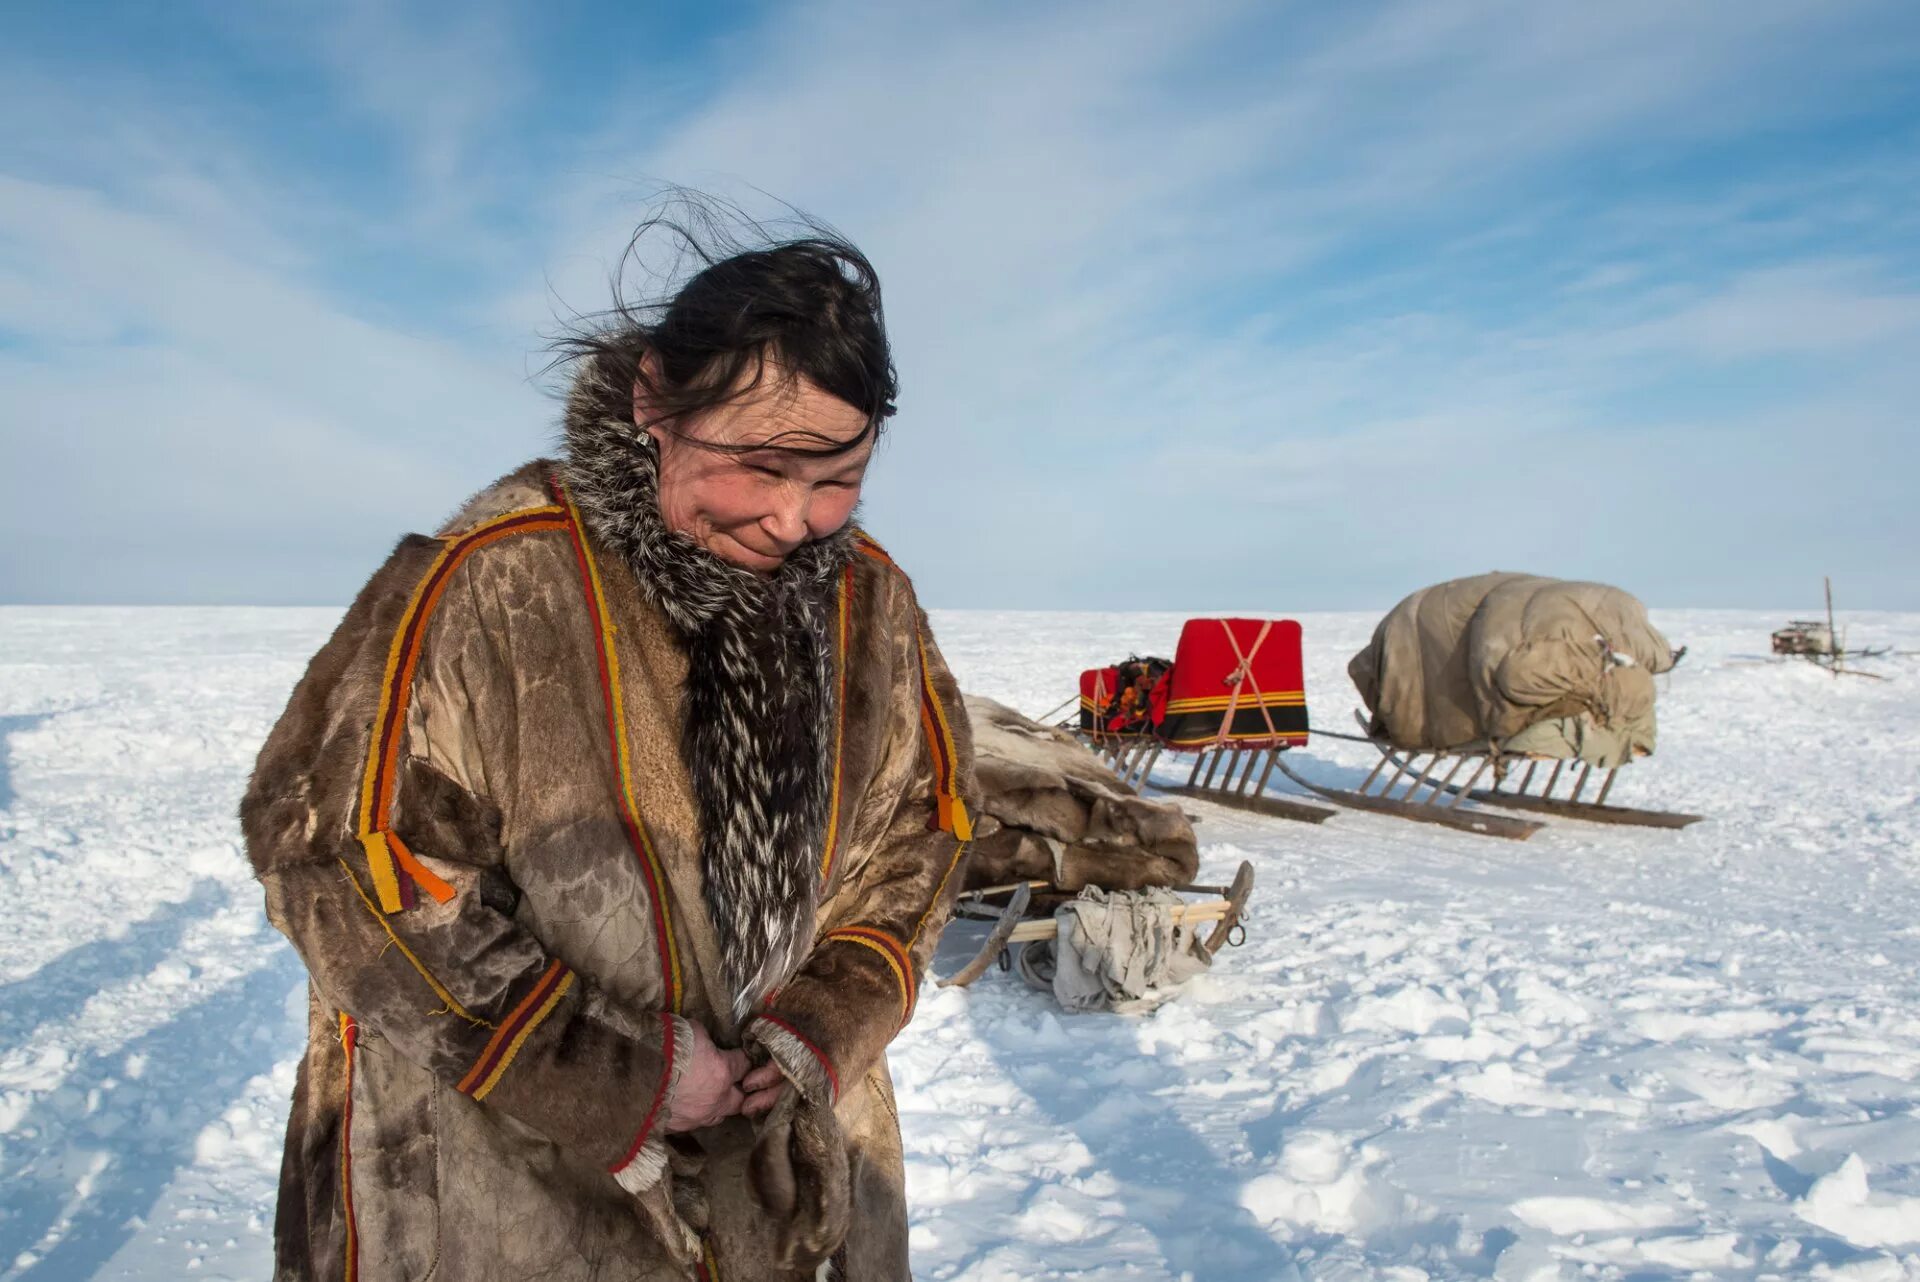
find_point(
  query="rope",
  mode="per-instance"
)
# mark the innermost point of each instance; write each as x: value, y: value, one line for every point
x: 1244, y: 675
x: 1048, y: 716
x: 1335, y: 734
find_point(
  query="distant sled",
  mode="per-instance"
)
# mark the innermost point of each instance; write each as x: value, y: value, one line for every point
x: 1517, y: 682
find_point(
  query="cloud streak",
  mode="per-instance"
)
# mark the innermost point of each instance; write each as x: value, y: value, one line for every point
x: 1274, y: 309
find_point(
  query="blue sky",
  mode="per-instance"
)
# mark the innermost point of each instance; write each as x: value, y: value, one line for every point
x: 1254, y: 306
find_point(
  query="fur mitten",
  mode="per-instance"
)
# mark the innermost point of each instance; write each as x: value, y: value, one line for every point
x: 800, y: 1175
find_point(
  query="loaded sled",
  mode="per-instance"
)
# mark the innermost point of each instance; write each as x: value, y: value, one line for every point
x: 1233, y: 697
x: 1010, y: 909
x: 1492, y: 690
x: 1055, y: 824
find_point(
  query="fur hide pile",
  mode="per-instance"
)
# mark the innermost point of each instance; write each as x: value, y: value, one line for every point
x: 1062, y: 815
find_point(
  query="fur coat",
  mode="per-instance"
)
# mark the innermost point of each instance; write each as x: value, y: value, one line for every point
x: 559, y: 786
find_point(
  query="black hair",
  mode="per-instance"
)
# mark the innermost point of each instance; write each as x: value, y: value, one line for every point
x: 727, y: 297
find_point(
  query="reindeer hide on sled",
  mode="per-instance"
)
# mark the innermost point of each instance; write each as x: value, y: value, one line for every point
x: 1063, y: 817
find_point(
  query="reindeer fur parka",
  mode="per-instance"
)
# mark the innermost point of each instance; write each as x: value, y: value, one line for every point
x: 561, y: 784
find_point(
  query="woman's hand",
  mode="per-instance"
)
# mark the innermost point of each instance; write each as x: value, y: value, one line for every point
x: 763, y: 1087
x: 709, y: 1087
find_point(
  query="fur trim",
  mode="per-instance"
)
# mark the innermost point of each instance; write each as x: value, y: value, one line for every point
x: 801, y: 1063
x: 760, y: 699
x: 644, y: 1169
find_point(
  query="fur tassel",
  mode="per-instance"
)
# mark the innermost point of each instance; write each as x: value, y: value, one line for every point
x: 760, y: 704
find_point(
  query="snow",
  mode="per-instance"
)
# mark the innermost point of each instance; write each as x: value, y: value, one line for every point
x: 1605, y: 1052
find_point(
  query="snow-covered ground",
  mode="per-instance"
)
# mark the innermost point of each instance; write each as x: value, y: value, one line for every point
x: 1603, y: 1052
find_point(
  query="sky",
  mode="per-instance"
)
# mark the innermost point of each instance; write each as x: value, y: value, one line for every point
x: 1250, y: 306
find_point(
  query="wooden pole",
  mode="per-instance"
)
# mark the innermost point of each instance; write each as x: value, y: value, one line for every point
x: 1833, y: 638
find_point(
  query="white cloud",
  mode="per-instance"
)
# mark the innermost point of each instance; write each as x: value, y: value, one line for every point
x: 1165, y: 285
x: 210, y: 405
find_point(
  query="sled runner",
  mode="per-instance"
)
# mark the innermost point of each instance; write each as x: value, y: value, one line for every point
x: 1519, y: 772
x: 1234, y: 697
x: 1440, y: 806
x: 1432, y: 787
x: 1013, y: 927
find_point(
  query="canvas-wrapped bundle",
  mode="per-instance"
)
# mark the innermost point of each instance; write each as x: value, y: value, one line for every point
x: 1060, y: 816
x: 1516, y: 663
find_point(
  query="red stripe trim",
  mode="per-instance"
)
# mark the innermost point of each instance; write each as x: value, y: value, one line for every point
x: 659, y: 1096
x: 833, y: 1078
x: 349, y: 1039
x: 942, y: 818
x: 451, y: 559
x: 510, y: 1028
x: 656, y: 888
x: 930, y: 711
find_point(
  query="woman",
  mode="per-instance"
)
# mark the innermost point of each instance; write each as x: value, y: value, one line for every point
x: 616, y: 824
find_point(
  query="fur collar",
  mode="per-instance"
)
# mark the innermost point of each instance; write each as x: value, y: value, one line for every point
x: 760, y: 699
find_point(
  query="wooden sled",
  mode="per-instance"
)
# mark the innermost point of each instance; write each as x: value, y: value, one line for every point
x: 1013, y: 926
x: 1520, y: 796
x: 1238, y: 796
x: 1234, y: 693
x: 1439, y: 776
x: 1438, y: 807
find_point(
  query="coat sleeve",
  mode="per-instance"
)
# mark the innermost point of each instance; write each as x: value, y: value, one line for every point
x: 857, y: 989
x: 388, y: 874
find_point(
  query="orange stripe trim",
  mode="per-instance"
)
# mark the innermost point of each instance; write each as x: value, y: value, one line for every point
x: 513, y: 1030
x: 609, y: 658
x: 840, y: 725
x: 396, y: 690
x: 893, y: 952
x: 950, y: 810
x: 534, y: 1021
x: 864, y: 541
x: 349, y: 1039
x: 422, y: 875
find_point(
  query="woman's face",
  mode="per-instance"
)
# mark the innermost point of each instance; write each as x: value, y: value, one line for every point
x: 753, y: 509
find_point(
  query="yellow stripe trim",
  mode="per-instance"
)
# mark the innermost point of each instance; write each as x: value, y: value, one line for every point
x: 619, y: 729
x: 379, y: 858
x: 892, y: 965
x: 349, y: 1039
x: 385, y: 883
x: 840, y: 725
x: 962, y: 824
x: 1209, y: 703
x: 439, y: 989
x: 959, y: 849
x: 380, y: 862
x: 513, y: 1048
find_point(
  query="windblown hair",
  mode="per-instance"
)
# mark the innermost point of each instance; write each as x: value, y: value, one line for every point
x: 728, y: 301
